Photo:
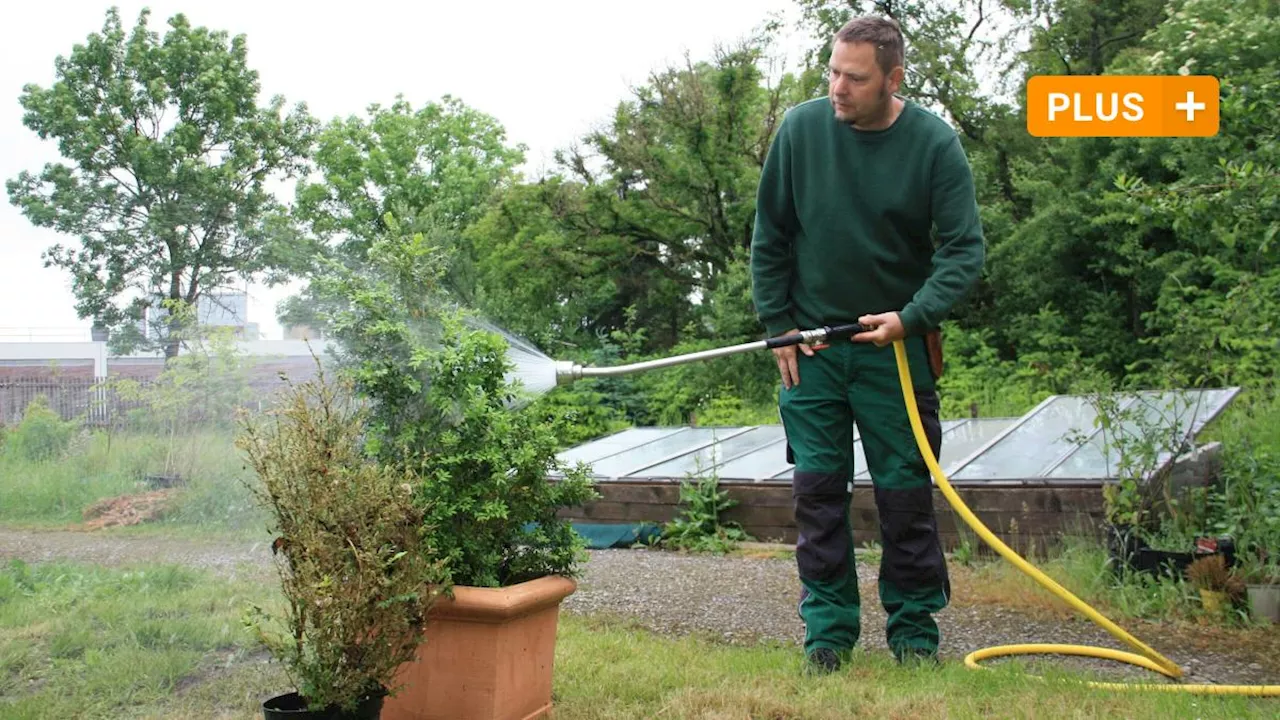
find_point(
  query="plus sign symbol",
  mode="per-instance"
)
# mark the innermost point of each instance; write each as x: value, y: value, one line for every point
x: 1190, y: 106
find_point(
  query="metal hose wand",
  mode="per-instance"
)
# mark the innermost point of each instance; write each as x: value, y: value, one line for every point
x: 567, y: 372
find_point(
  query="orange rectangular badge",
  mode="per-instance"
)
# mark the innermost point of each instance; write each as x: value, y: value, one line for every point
x: 1122, y: 106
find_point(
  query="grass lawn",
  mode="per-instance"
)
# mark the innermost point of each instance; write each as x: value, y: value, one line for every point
x: 162, y: 641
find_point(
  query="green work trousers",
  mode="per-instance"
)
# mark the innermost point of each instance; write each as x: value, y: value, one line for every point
x: 839, y: 386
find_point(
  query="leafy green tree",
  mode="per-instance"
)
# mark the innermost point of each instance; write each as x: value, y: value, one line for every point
x: 643, y: 219
x: 1210, y: 210
x: 1159, y: 253
x: 169, y: 158
x: 442, y: 161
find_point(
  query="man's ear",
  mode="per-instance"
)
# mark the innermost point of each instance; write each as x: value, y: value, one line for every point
x: 895, y: 78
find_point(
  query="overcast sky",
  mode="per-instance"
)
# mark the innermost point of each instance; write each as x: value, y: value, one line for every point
x: 549, y: 71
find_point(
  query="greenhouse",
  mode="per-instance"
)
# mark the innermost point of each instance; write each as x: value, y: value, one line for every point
x: 1029, y: 478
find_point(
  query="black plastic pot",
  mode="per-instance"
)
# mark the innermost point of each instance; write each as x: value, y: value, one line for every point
x: 1162, y: 562
x: 291, y: 706
x: 1128, y: 550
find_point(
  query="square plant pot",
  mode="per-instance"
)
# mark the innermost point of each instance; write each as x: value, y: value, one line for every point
x: 489, y: 654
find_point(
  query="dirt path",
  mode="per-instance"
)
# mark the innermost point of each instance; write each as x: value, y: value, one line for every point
x: 112, y: 548
x: 731, y: 599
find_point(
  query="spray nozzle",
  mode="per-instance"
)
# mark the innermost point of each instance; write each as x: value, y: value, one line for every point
x: 817, y: 336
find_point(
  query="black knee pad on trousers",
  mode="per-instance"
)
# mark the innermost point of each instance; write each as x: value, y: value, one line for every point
x: 821, y: 508
x: 912, y: 556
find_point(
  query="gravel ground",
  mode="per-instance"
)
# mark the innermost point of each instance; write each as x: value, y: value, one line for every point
x: 107, y: 548
x: 742, y: 600
x: 734, y: 600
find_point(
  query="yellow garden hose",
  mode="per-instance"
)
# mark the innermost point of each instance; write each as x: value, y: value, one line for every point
x: 1149, y: 658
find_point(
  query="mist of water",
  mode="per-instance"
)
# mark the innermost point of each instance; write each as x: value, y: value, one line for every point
x: 532, y: 369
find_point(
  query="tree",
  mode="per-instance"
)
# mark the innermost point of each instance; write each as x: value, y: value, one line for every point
x: 647, y: 215
x: 441, y: 162
x: 168, y: 160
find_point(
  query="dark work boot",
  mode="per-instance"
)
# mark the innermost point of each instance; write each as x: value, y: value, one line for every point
x: 823, y: 661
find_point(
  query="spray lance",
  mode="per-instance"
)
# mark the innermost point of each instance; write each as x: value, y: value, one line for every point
x: 567, y: 372
x: 1144, y: 657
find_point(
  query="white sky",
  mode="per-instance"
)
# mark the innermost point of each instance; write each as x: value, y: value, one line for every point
x: 549, y: 71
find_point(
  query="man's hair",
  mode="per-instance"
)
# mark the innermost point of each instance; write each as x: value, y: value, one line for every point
x: 882, y: 32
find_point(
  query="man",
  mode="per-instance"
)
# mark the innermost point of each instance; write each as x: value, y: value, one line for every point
x: 852, y: 189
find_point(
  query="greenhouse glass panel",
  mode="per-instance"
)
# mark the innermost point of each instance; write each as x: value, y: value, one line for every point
x: 729, y: 444
x: 615, y: 443
x: 1186, y: 410
x: 965, y: 439
x: 1034, y: 444
x: 758, y: 465
x: 624, y: 463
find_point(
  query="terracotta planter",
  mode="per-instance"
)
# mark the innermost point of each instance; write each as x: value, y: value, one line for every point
x: 488, y: 655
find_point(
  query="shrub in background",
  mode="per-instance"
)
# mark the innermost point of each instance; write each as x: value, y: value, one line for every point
x: 356, y: 564
x: 42, y: 435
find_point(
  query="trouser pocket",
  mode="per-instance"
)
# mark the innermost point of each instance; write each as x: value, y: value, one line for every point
x: 928, y: 405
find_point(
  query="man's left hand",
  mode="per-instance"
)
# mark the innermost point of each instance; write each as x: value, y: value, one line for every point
x: 886, y: 327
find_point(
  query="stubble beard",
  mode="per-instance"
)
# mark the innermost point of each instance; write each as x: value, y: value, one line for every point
x: 867, y: 116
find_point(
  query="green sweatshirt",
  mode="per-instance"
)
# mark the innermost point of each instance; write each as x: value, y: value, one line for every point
x: 844, y: 222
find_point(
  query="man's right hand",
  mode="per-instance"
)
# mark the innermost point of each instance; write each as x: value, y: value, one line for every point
x: 786, y: 357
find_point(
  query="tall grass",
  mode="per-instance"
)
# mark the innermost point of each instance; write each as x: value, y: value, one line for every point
x: 99, y: 465
x: 1083, y: 566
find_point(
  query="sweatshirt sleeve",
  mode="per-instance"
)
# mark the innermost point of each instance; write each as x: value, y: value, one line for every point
x: 958, y: 260
x: 772, y: 237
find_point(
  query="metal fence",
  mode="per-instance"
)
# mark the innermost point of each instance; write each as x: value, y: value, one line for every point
x: 72, y: 398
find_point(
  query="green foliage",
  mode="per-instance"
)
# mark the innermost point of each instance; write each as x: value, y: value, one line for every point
x: 42, y: 436
x: 726, y: 409
x: 443, y: 407
x: 646, y: 217
x: 440, y: 162
x: 202, y: 388
x: 485, y: 466
x: 357, y: 568
x: 169, y: 161
x: 578, y: 413
x: 699, y: 527
x: 1246, y: 502
x: 1139, y: 435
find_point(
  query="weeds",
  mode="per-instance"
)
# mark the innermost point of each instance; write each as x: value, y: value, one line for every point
x: 41, y: 437
x: 699, y: 528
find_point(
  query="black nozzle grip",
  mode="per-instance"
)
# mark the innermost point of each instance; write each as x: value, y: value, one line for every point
x: 844, y: 332
x: 833, y: 332
x: 784, y: 340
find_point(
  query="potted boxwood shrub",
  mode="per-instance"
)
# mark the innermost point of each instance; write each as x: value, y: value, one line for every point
x: 445, y: 406
x: 357, y: 569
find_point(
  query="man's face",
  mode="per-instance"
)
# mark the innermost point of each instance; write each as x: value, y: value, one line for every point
x: 859, y: 90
